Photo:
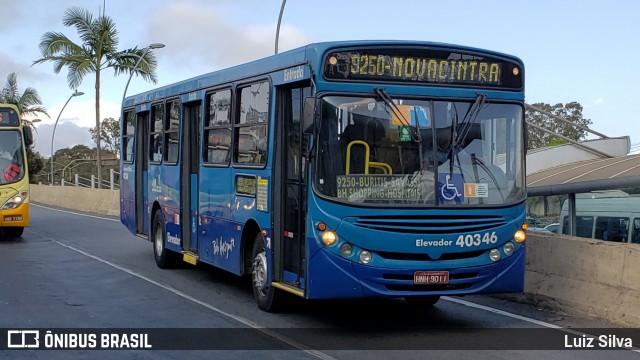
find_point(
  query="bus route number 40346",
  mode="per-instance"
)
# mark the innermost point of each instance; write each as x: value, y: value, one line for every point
x: 477, y: 239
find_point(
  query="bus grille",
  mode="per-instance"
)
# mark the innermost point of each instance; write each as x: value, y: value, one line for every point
x: 438, y: 224
x: 427, y: 257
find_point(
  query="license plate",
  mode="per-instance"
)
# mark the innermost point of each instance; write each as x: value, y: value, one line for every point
x: 431, y: 277
x: 13, y: 218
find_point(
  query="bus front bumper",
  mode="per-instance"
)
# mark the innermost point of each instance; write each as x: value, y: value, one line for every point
x: 18, y: 217
x: 336, y: 277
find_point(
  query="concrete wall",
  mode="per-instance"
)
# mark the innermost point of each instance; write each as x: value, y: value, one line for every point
x: 595, y: 277
x: 99, y: 201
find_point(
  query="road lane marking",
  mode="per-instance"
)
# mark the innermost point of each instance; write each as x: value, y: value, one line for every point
x: 246, y: 322
x: 502, y: 312
x: 74, y: 213
x: 291, y: 341
x: 524, y: 318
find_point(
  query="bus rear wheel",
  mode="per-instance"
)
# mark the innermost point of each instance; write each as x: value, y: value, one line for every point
x: 423, y: 301
x: 165, y: 259
x: 13, y: 232
x: 266, y: 296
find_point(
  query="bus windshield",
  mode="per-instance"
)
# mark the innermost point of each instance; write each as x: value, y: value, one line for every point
x: 11, y: 158
x: 383, y: 151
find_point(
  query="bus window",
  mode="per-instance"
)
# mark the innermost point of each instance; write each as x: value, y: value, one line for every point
x: 584, y: 226
x: 172, y: 133
x: 635, y: 238
x: 11, y: 159
x: 155, y: 143
x: 128, y: 136
x: 251, y: 126
x: 218, y: 129
x: 612, y: 228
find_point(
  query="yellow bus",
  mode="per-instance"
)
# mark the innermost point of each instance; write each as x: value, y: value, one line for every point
x: 14, y: 174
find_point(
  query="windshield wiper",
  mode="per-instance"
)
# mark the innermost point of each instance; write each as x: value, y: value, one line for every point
x: 467, y: 121
x: 459, y: 132
x: 414, y: 133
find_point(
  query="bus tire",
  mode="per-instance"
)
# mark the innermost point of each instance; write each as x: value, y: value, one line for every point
x: 13, y: 232
x: 266, y: 296
x: 165, y: 259
x: 422, y: 301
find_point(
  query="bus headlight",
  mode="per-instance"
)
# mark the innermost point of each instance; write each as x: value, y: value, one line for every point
x: 14, y: 201
x: 365, y: 257
x: 346, y: 249
x: 329, y: 237
x: 494, y: 254
x: 509, y: 248
x: 519, y: 236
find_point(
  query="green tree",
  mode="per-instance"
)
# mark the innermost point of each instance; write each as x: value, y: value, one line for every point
x: 571, y: 111
x: 79, y: 159
x: 77, y: 152
x: 109, y: 133
x: 97, y: 51
x: 27, y: 101
x: 36, y: 163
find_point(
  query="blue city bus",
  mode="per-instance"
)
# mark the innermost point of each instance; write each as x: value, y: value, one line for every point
x: 337, y: 170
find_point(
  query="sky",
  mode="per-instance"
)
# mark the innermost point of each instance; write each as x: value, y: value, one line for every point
x: 582, y: 51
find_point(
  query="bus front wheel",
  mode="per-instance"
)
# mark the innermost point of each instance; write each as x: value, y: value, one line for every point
x: 267, y: 297
x: 165, y: 259
x: 13, y: 232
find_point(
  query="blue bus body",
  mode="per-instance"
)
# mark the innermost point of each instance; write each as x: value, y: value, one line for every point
x: 220, y: 187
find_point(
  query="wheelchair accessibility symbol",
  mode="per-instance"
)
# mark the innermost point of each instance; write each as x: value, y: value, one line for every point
x: 451, y: 187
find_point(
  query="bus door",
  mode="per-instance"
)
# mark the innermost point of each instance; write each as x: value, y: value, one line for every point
x: 290, y: 183
x: 142, y: 166
x: 192, y: 119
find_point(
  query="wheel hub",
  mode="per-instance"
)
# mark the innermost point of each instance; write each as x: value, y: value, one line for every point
x: 260, y: 272
x: 158, y: 242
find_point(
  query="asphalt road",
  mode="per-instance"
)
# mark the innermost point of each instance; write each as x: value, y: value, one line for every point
x: 80, y: 272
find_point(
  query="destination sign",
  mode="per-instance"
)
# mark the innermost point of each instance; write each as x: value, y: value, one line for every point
x: 8, y: 117
x: 378, y: 187
x: 424, y: 66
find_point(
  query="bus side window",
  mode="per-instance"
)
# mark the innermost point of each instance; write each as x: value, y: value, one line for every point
x: 156, y: 133
x: 251, y: 126
x: 172, y: 133
x: 584, y: 226
x: 612, y: 228
x: 636, y: 231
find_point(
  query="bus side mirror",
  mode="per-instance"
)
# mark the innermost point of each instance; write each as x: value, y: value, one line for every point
x: 309, y: 111
x: 28, y: 135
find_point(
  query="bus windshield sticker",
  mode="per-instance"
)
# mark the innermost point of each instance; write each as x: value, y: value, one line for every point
x: 378, y: 187
x: 473, y: 190
x: 246, y: 185
x: 263, y: 186
x: 451, y: 187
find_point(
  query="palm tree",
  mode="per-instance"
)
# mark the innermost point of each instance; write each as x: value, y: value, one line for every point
x: 28, y: 102
x: 96, y: 52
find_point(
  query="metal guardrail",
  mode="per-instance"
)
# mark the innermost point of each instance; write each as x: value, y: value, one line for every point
x: 80, y: 181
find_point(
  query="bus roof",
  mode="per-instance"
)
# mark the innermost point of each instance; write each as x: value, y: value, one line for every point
x: 301, y: 55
